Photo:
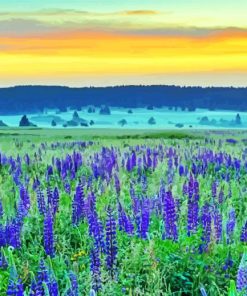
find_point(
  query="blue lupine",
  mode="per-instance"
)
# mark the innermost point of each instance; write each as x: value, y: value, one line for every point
x: 73, y: 290
x: 55, y: 200
x: 1, y: 210
x: 230, y: 226
x: 145, y: 221
x: 48, y: 234
x: 170, y: 217
x: 40, y: 201
x: 78, y: 205
x: 242, y: 276
x: 206, y: 220
x: 217, y: 225
x: 95, y: 268
x: 111, y: 243
x: 243, y: 236
x: 193, y: 206
x: 3, y: 261
x: 24, y: 196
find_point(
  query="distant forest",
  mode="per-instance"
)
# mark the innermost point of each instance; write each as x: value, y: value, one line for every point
x: 27, y: 99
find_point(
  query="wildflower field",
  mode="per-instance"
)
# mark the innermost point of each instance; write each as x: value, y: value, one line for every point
x: 158, y: 214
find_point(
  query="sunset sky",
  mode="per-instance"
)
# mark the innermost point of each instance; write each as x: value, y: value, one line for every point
x: 98, y: 43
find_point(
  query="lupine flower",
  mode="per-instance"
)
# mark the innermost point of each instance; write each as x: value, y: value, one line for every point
x: 15, y: 287
x: 170, y: 217
x: 24, y: 196
x: 42, y: 277
x: 217, y: 225
x: 206, y: 226
x: 95, y: 268
x: 48, y: 234
x: 3, y: 261
x: 55, y: 200
x: 1, y: 210
x: 230, y: 226
x: 221, y: 196
x: 117, y: 184
x: 73, y: 290
x: 13, y: 232
x: 145, y: 220
x: 111, y: 242
x: 40, y: 201
x: 193, y: 206
x: 2, y: 236
x: 96, y: 230
x: 243, y: 237
x: 46, y: 278
x: 214, y: 189
x: 181, y: 170
x: 78, y: 205
x: 242, y: 275
x: 67, y: 188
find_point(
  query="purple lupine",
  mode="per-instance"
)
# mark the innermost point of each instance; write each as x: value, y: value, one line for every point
x: 1, y: 210
x: 36, y: 184
x: 170, y: 217
x: 242, y: 275
x: 42, y: 277
x: 40, y: 201
x: 117, y: 185
x: 221, y: 196
x: 67, y: 188
x: 15, y: 287
x: 127, y: 224
x: 49, y: 172
x: 95, y: 268
x: 73, y: 290
x: 96, y: 230
x: 111, y: 243
x: 78, y: 205
x: 230, y: 225
x: 52, y: 286
x: 2, y: 236
x: 193, y: 206
x: 45, y: 277
x: 49, y: 195
x: 48, y: 234
x: 228, y: 263
x: 13, y: 232
x: 206, y: 220
x: 181, y: 170
x: 145, y: 220
x: 55, y: 200
x: 243, y: 236
x: 24, y: 196
x: 217, y: 225
x: 3, y: 261
x: 214, y: 189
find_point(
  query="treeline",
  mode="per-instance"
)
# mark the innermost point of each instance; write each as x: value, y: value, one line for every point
x: 25, y: 99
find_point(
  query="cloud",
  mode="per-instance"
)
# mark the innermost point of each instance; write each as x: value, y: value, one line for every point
x: 23, y: 27
x: 141, y: 12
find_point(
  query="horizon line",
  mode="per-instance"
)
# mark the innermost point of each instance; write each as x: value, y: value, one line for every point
x: 122, y: 85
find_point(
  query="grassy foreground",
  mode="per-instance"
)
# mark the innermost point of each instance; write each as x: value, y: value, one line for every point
x: 123, y: 212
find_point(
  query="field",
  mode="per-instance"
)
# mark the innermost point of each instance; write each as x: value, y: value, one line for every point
x: 110, y: 212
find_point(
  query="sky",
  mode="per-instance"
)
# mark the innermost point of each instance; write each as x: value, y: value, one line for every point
x: 101, y: 43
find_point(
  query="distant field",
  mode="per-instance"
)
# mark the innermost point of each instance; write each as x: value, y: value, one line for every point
x: 70, y: 133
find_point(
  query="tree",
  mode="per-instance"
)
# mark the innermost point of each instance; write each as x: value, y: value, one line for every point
x: 238, y: 119
x: 25, y: 122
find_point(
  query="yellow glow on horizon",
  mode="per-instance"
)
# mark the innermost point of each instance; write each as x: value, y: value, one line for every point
x: 94, y: 54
